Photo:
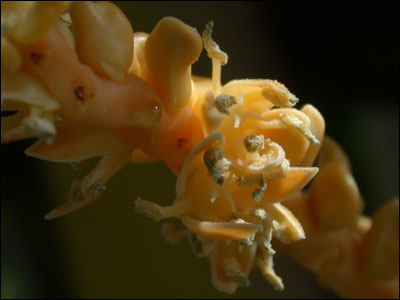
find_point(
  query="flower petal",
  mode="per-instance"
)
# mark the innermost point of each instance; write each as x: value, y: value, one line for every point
x: 222, y: 231
x: 317, y: 128
x: 75, y: 143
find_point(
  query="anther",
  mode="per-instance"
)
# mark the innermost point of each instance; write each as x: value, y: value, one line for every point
x: 216, y: 164
x: 224, y: 102
x: 254, y: 143
x: 259, y: 193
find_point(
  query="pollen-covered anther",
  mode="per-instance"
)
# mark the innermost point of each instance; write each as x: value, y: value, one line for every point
x: 213, y: 50
x: 260, y: 216
x: 214, y: 110
x: 254, y: 143
x: 292, y: 121
x: 218, y: 57
x: 259, y: 193
x: 217, y: 164
x: 224, y: 102
x: 232, y: 270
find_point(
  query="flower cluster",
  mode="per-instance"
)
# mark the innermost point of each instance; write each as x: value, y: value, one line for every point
x: 257, y: 151
x: 86, y: 85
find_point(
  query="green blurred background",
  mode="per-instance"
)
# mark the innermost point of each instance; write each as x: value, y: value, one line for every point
x: 342, y: 58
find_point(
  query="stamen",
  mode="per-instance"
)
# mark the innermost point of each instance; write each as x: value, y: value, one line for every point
x: 182, y: 177
x: 149, y: 209
x: 218, y: 57
x: 266, y: 265
x: 254, y: 143
x: 293, y: 121
x: 156, y: 212
x: 259, y: 193
x: 261, y: 216
x: 226, y: 193
x: 232, y: 270
x: 211, y: 115
x: 224, y: 102
x: 217, y: 164
x: 213, y: 50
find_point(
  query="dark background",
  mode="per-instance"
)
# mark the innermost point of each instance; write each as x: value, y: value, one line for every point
x: 341, y: 57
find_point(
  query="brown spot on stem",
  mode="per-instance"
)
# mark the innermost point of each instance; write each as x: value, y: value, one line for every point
x: 78, y: 91
x: 36, y: 57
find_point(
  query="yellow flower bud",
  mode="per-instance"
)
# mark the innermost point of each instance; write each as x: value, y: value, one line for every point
x: 103, y: 38
x: 170, y: 51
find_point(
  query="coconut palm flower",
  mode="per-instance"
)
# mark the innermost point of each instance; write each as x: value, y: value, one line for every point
x: 87, y: 86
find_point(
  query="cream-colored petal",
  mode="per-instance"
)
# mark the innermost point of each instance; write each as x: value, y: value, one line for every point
x: 317, y: 128
x: 220, y: 280
x: 93, y: 184
x: 261, y: 90
x: 278, y: 189
x: 224, y: 231
x: 266, y: 266
x: 295, y: 180
x: 289, y: 228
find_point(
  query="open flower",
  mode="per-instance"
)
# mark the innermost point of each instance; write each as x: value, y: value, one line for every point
x: 257, y: 151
